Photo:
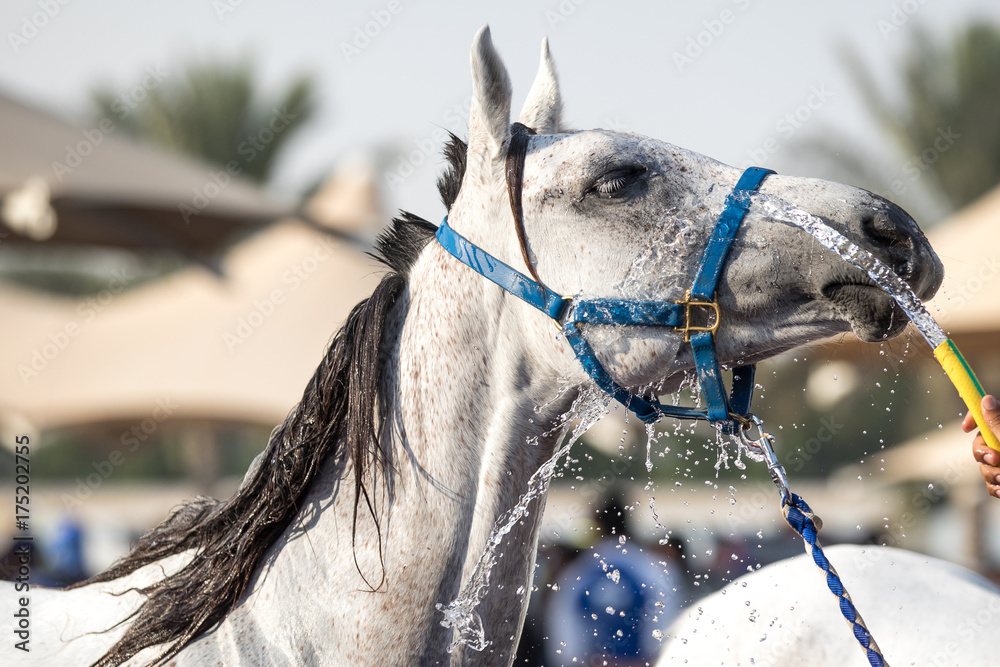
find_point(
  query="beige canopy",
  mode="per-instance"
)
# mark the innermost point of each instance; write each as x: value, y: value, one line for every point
x: 238, y: 348
x: 968, y: 243
x: 92, y: 185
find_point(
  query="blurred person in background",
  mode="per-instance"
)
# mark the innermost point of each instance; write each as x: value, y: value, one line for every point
x: 64, y: 555
x: 615, y: 600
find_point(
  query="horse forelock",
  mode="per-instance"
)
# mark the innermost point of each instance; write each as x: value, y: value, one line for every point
x: 450, y: 182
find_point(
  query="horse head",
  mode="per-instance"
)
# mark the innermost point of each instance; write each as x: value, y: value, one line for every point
x: 616, y: 215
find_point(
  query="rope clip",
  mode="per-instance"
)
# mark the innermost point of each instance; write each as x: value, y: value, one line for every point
x: 764, y: 444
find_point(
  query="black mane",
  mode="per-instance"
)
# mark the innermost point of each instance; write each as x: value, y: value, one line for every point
x: 337, y: 418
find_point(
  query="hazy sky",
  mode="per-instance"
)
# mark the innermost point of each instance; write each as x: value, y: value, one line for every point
x: 719, y: 77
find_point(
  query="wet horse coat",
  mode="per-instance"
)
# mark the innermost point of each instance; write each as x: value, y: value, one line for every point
x: 442, y: 395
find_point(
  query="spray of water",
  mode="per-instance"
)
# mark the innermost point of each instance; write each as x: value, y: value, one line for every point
x: 883, y: 276
x: 461, y: 614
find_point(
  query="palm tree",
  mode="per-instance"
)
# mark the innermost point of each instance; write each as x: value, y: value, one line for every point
x: 213, y: 111
x: 946, y: 131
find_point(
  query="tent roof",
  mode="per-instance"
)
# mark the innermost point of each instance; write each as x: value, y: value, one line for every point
x: 239, y: 349
x: 107, y: 189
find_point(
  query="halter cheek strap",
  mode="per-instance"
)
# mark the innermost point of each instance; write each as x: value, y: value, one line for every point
x: 569, y: 313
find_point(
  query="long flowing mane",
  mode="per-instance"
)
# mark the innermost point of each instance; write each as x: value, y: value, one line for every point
x: 337, y: 418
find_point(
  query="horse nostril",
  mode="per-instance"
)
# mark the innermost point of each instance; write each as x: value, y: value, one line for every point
x: 886, y: 230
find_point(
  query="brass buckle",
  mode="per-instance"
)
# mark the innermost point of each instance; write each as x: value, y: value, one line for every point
x: 713, y: 321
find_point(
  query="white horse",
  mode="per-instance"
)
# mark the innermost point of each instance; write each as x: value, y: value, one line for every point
x: 442, y: 396
x: 920, y: 611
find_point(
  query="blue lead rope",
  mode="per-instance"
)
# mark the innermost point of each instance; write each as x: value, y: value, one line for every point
x: 801, y: 518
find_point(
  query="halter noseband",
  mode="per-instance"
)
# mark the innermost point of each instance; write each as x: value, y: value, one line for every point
x: 570, y: 312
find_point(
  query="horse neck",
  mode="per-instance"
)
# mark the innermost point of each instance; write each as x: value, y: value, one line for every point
x: 465, y: 390
x: 498, y: 400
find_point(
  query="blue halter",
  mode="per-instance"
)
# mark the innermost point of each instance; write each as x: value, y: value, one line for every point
x: 569, y: 313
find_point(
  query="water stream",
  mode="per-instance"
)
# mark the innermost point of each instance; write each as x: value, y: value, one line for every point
x: 461, y: 614
x: 883, y: 276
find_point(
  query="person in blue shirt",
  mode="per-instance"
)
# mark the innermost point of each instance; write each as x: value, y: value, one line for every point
x: 614, y: 602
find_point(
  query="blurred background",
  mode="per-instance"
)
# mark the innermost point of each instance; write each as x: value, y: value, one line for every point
x: 188, y: 194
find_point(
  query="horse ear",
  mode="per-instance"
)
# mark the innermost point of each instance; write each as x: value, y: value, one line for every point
x: 542, y: 109
x: 489, y: 117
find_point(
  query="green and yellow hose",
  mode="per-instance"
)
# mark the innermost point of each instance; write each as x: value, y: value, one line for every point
x: 967, y: 384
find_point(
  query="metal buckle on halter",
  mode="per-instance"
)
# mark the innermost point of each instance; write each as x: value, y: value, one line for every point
x: 688, y: 304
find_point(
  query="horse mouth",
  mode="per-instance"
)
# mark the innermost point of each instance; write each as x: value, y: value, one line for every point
x: 872, y: 314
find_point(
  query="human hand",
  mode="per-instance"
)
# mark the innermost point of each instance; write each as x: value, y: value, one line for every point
x: 989, y: 459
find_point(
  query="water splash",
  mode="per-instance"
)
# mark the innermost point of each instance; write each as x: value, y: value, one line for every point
x: 461, y: 614
x: 650, y: 439
x: 742, y: 450
x: 883, y: 276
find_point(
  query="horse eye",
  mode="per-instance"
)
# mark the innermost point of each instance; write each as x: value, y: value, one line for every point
x: 613, y: 182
